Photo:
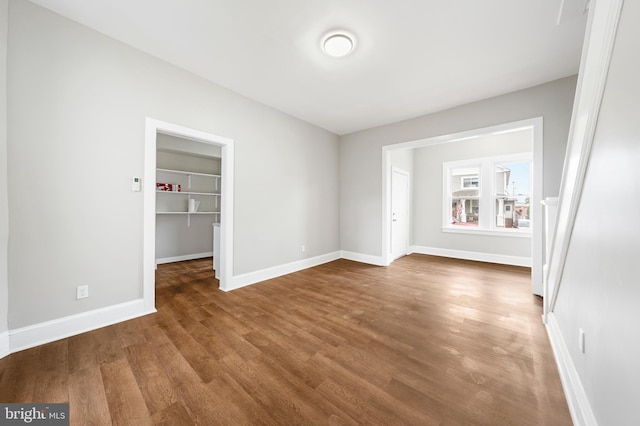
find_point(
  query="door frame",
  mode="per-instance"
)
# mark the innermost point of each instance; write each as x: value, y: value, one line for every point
x: 152, y: 128
x: 408, y: 222
x: 536, y: 124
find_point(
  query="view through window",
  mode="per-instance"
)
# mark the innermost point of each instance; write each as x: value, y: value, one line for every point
x: 490, y: 193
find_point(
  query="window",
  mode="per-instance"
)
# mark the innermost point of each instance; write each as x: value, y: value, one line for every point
x: 488, y: 195
x: 470, y: 182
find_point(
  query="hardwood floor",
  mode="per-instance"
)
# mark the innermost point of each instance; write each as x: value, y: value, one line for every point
x: 426, y: 341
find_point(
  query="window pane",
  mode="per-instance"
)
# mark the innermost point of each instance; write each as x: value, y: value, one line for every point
x: 465, y: 179
x: 465, y: 211
x: 465, y: 190
x: 513, y: 194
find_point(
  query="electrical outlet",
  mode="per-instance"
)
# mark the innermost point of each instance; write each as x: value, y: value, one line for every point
x: 303, y: 249
x: 82, y: 291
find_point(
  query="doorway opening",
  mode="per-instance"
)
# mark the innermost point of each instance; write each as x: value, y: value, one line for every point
x: 400, y: 212
x: 153, y: 128
x: 402, y: 153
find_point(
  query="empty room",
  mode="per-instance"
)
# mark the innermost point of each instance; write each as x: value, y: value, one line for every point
x: 342, y: 212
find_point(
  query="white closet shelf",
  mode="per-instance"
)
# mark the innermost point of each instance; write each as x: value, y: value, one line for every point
x: 211, y: 194
x: 187, y: 212
x: 182, y: 172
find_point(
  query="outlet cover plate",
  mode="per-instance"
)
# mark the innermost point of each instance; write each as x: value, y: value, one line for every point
x: 82, y: 292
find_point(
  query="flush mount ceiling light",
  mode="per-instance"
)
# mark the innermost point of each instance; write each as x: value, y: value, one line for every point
x: 338, y: 44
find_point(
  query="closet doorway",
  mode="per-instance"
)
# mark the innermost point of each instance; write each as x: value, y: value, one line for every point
x: 175, y: 217
x: 188, y: 192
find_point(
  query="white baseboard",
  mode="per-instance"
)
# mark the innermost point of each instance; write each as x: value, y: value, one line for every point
x: 473, y: 255
x: 49, y: 331
x: 184, y: 257
x: 244, y: 280
x: 579, y: 406
x: 5, y: 347
x: 363, y: 258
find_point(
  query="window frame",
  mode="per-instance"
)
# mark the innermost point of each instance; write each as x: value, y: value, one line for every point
x: 487, y: 186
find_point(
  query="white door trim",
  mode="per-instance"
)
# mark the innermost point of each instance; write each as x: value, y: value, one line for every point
x: 152, y: 128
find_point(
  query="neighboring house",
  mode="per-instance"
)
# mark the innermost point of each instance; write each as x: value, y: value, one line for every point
x: 465, y: 188
x: 465, y: 206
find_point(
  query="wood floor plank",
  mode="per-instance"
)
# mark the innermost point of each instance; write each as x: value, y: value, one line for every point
x: 52, y: 373
x: 17, y: 381
x: 156, y: 388
x: 87, y: 398
x: 109, y: 347
x: 83, y: 352
x: 425, y: 341
x: 378, y: 404
x: 173, y: 415
x: 202, y: 404
x: 126, y: 402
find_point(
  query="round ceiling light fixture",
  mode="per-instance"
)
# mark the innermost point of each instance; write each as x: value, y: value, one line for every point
x: 338, y: 44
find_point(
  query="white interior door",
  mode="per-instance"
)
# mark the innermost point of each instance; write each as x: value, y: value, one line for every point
x: 399, y: 213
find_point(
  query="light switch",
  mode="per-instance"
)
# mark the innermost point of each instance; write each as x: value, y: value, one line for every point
x: 135, y: 184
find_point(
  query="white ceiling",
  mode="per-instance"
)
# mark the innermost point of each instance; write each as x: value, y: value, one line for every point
x: 413, y: 57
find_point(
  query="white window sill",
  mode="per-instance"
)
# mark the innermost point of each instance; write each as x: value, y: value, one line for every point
x: 517, y: 233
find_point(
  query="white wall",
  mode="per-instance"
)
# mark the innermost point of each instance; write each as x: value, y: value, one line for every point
x: 4, y: 211
x: 600, y: 287
x: 77, y: 103
x: 361, y: 152
x: 176, y: 235
x: 427, y: 194
x: 174, y: 160
x: 174, y: 144
x: 403, y: 159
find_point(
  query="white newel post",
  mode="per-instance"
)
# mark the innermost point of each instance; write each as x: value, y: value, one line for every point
x: 550, y: 212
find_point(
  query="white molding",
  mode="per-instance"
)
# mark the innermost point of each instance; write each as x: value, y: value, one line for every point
x: 473, y: 255
x: 577, y: 400
x: 466, y: 135
x: 5, y: 346
x: 365, y: 258
x: 468, y: 230
x: 537, y: 218
x: 149, y: 215
x: 61, y: 328
x: 602, y: 27
x: 249, y: 278
x: 386, y: 257
x: 152, y: 128
x: 184, y: 257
